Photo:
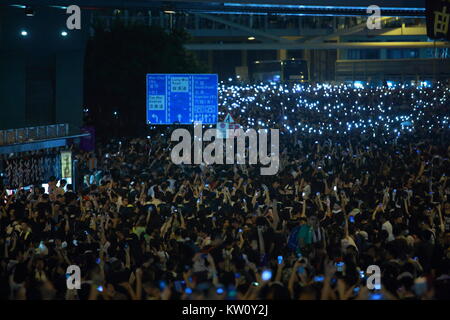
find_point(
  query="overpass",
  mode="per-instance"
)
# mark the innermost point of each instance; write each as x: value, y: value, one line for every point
x: 399, y: 8
x: 48, y: 69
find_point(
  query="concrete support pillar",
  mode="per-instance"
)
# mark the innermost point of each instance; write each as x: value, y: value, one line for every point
x: 244, y: 58
x: 210, y: 60
x: 282, y: 54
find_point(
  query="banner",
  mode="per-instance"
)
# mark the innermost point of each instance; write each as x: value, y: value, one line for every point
x: 66, y: 164
x: 438, y: 18
x: 36, y: 169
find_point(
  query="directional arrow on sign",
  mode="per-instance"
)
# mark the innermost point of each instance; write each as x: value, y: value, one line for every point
x: 228, y: 119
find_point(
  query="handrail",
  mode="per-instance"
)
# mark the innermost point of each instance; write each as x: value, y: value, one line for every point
x: 21, y: 135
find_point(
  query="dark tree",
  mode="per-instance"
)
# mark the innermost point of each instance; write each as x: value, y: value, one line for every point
x: 116, y: 63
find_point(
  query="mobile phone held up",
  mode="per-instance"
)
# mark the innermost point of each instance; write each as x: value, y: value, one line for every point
x: 339, y: 266
x: 301, y: 270
x: 319, y: 278
x: 266, y: 275
x: 280, y: 259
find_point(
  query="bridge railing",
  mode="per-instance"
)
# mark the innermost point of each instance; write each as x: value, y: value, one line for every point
x: 22, y: 135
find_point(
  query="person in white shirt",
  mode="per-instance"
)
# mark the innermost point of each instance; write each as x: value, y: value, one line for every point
x: 387, y: 225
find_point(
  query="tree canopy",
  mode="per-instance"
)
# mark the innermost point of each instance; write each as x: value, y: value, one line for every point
x: 117, y: 61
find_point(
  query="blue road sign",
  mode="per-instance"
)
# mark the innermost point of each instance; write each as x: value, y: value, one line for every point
x: 181, y: 98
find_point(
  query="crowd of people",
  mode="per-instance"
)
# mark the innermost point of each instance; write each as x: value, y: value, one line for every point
x: 363, y: 185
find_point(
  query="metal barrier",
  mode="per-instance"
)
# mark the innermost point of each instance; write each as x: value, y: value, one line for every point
x: 21, y: 135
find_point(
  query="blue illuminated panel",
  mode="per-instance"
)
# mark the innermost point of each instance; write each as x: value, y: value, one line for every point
x: 181, y: 98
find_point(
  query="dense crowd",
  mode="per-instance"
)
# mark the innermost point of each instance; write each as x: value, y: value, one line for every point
x: 325, y: 109
x: 363, y: 181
